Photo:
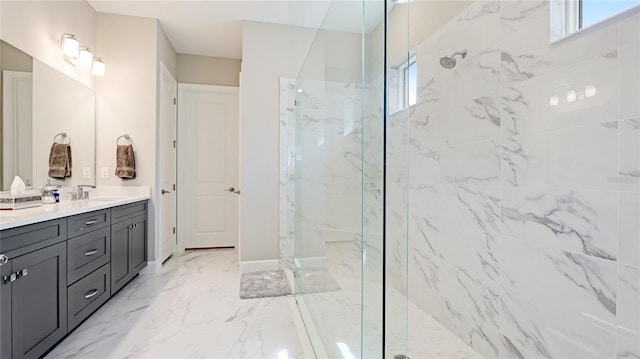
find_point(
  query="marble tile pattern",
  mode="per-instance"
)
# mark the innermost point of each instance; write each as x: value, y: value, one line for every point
x: 189, y: 310
x: 320, y: 166
x: 523, y: 185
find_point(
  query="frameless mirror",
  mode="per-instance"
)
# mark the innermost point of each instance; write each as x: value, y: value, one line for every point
x: 570, y: 16
x: 38, y: 104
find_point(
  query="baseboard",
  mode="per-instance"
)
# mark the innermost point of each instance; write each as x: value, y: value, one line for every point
x: 309, y: 262
x: 152, y: 267
x: 254, y: 266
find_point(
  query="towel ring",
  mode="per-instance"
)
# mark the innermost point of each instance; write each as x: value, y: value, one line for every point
x: 63, y: 136
x: 126, y: 137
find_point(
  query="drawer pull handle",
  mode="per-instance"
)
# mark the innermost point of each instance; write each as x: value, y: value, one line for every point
x: 91, y: 293
x: 90, y: 222
x: 91, y: 252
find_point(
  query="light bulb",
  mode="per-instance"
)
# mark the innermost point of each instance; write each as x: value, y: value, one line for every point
x: 70, y: 45
x: 98, y: 67
x: 85, y: 58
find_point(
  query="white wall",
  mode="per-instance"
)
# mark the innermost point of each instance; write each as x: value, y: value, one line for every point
x: 266, y: 58
x: 35, y: 27
x: 207, y: 70
x: 126, y: 100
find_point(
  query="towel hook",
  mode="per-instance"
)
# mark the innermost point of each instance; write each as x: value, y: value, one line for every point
x: 126, y: 137
x: 63, y: 136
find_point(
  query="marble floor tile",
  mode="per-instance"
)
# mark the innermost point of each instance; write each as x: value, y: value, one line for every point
x: 190, y: 310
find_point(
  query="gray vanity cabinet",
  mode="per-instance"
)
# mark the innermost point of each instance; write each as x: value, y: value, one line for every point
x: 128, y: 244
x: 55, y: 274
x: 33, y: 289
x: 39, y: 301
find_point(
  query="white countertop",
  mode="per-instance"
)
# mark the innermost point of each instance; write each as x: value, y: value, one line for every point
x: 100, y: 198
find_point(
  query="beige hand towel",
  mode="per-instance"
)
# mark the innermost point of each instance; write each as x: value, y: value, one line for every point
x: 125, y: 162
x: 60, y: 160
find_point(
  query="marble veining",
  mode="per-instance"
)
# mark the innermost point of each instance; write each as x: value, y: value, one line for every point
x: 523, y: 185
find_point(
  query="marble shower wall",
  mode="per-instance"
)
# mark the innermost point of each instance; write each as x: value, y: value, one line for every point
x: 524, y: 185
x: 320, y: 168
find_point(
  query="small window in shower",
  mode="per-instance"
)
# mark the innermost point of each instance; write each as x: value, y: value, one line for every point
x: 570, y: 16
x: 407, y: 83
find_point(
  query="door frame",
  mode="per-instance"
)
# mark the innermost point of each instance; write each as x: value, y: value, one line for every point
x: 161, y: 168
x: 181, y: 206
x: 11, y: 140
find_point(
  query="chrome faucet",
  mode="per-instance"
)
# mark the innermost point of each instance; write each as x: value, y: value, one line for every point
x: 82, y: 194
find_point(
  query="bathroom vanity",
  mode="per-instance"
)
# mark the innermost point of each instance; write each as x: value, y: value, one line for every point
x: 60, y: 263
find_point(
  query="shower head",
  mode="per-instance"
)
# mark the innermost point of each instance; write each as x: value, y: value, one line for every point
x: 449, y: 62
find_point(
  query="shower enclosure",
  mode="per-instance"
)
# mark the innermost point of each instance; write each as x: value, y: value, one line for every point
x: 461, y: 179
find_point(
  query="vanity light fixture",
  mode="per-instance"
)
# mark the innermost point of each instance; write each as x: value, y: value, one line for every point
x: 70, y: 45
x: 80, y: 55
x: 98, y: 67
x: 85, y: 59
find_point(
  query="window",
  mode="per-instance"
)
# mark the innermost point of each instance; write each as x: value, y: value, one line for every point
x: 569, y: 16
x: 592, y: 11
x: 407, y: 83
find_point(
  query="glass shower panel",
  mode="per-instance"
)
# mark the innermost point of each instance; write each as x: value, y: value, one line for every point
x: 330, y: 250
x: 400, y: 86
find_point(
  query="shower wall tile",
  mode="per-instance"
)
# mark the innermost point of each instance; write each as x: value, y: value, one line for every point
x: 629, y: 30
x: 581, y: 94
x: 629, y: 301
x: 556, y: 303
x: 628, y: 347
x: 581, y: 157
x: 629, y: 229
x: 629, y: 81
x: 320, y: 167
x: 476, y: 164
x: 583, y: 222
x: 628, y: 312
x: 629, y: 152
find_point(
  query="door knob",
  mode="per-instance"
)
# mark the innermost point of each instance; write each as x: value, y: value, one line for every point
x: 3, y: 259
x: 230, y: 189
x: 165, y: 191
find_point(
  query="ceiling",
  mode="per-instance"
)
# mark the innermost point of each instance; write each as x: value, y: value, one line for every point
x: 214, y: 27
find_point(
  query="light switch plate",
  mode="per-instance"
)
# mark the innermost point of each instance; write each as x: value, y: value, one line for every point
x: 104, y: 172
x: 86, y: 172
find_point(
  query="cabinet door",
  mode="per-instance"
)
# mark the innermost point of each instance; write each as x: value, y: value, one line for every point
x: 39, y: 301
x: 138, y: 243
x: 120, y: 255
x: 5, y: 311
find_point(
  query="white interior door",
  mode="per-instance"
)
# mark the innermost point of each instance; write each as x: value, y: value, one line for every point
x: 208, y: 166
x: 17, y: 93
x: 168, y: 114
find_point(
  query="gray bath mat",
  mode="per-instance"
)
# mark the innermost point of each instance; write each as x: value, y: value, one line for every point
x: 264, y: 284
x: 315, y: 281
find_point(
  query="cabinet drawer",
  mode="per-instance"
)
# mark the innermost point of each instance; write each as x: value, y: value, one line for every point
x: 22, y: 240
x: 121, y: 213
x: 87, y: 222
x: 87, y: 295
x: 87, y: 253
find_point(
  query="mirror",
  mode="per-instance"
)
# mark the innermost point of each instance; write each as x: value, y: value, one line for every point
x: 570, y: 16
x: 37, y: 106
